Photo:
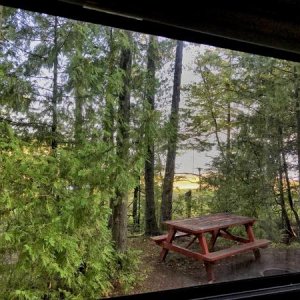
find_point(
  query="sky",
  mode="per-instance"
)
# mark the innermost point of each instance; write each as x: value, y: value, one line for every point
x: 189, y: 161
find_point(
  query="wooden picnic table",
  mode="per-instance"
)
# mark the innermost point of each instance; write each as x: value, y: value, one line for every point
x: 217, y: 225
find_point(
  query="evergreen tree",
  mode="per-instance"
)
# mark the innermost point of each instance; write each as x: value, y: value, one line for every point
x: 151, y: 227
x: 119, y: 210
x: 167, y: 192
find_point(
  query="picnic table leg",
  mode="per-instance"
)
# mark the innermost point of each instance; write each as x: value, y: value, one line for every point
x: 209, y: 272
x: 169, y: 239
x: 208, y: 265
x: 191, y: 242
x: 214, y: 236
x: 251, y: 238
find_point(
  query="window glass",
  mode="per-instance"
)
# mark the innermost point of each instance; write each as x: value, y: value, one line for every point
x: 118, y: 146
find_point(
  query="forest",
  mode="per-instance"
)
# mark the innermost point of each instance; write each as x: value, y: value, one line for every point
x: 92, y: 119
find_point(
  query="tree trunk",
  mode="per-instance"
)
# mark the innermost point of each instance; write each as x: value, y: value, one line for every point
x: 167, y: 193
x: 109, y: 112
x: 1, y: 21
x: 228, y: 142
x: 289, y: 193
x: 135, y: 207
x: 78, y: 133
x: 287, y: 224
x: 297, y: 100
x: 151, y: 227
x: 119, y: 209
x: 199, y: 180
x: 55, y: 87
x: 188, y: 202
x: 285, y: 217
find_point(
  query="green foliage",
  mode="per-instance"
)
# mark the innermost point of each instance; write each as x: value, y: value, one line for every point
x: 201, y: 203
x: 60, y: 81
x: 128, y: 266
x: 54, y: 238
x: 244, y: 106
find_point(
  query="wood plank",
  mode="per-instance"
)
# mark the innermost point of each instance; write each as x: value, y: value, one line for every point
x: 209, y: 271
x: 192, y: 241
x: 212, y: 218
x: 227, y: 235
x: 182, y: 250
x: 163, y: 237
x: 250, y: 232
x: 180, y: 234
x: 213, y: 256
x: 214, y: 235
x: 203, y: 243
x: 225, y: 223
x: 170, y: 237
x: 209, y: 222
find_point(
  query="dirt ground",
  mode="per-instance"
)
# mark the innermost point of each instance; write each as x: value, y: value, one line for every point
x: 179, y: 271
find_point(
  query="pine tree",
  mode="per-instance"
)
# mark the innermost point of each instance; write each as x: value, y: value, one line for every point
x: 167, y: 193
x: 119, y: 210
x: 151, y: 227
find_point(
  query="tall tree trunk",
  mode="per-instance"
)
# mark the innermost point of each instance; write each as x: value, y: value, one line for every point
x: 78, y: 130
x: 284, y: 214
x: 199, y: 180
x: 287, y: 224
x: 289, y: 193
x: 151, y: 227
x: 228, y: 142
x: 109, y: 112
x: 1, y: 22
x: 167, y: 193
x: 297, y: 100
x: 136, y: 193
x: 188, y: 203
x: 55, y: 87
x: 119, y: 210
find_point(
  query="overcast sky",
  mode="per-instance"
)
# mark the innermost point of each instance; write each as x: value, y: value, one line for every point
x: 189, y: 161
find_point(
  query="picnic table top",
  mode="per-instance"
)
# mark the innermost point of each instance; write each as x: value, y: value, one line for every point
x: 209, y: 222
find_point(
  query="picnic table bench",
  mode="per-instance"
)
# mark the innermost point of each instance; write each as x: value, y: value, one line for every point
x: 217, y: 225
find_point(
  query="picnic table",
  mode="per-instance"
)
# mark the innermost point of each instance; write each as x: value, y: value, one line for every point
x: 216, y: 225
